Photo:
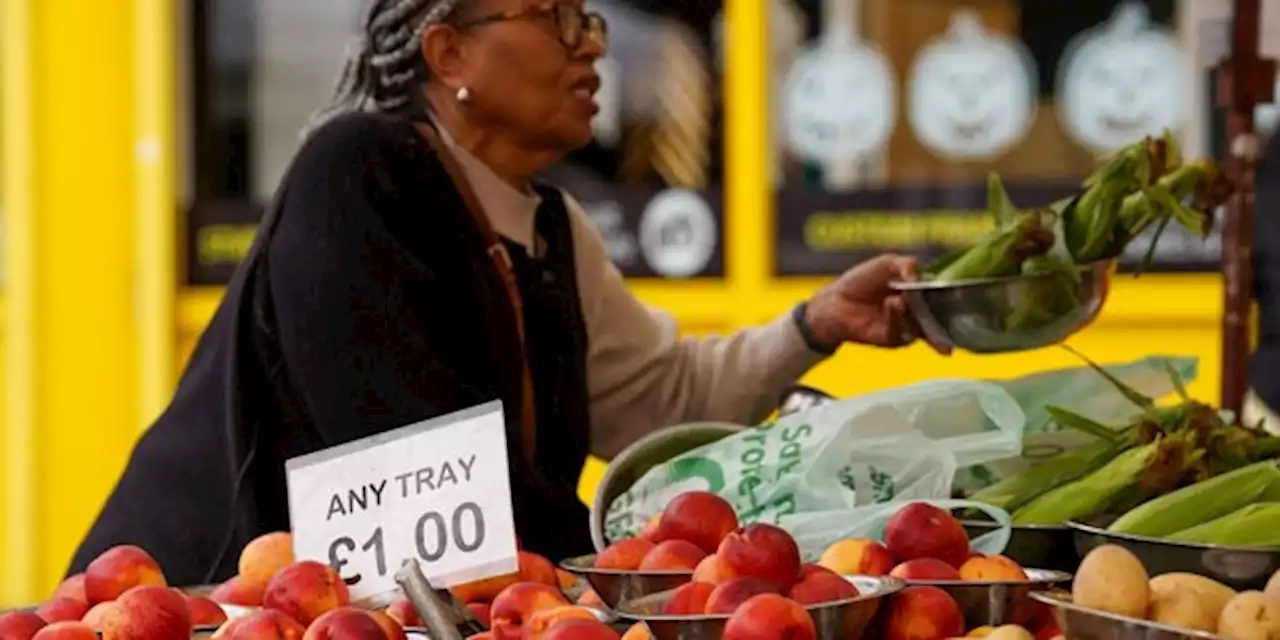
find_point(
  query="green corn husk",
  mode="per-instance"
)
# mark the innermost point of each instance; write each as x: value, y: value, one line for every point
x: 1201, y: 502
x: 1016, y: 491
x: 1002, y: 252
x: 1091, y: 225
x: 1091, y: 494
x: 1257, y: 525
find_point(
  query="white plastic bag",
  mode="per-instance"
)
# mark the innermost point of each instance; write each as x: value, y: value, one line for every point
x: 820, y: 469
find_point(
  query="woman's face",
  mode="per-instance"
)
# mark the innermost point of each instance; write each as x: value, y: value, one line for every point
x: 520, y: 74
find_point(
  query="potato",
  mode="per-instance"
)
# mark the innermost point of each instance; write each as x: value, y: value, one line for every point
x: 1251, y: 615
x: 1112, y: 579
x: 1213, y: 595
x: 1010, y: 632
x: 1182, y: 608
x: 1273, y: 586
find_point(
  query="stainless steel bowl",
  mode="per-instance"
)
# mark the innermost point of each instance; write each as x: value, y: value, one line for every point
x: 1033, y: 545
x: 1079, y: 623
x: 840, y: 620
x: 644, y: 454
x: 999, y: 315
x: 1000, y: 602
x: 1240, y: 568
x: 615, y: 586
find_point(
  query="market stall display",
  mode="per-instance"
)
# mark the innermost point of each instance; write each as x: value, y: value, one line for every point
x: 1115, y: 596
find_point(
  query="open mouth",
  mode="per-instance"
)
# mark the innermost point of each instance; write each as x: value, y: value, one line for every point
x: 586, y: 88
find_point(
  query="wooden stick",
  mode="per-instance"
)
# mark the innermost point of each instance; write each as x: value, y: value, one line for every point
x: 1244, y: 82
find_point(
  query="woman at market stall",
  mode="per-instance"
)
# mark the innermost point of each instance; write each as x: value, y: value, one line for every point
x: 411, y: 266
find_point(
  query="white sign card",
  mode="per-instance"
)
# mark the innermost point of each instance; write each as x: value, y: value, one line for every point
x: 438, y: 491
x: 839, y: 101
x: 972, y: 93
x: 1122, y: 80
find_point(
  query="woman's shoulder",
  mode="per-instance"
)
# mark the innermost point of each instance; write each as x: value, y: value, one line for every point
x: 359, y: 135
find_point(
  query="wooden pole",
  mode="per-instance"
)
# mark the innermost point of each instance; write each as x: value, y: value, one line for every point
x: 1244, y: 81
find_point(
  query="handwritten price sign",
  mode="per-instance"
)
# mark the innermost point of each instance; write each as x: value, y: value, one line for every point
x: 437, y: 491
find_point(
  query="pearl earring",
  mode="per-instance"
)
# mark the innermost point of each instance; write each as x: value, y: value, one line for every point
x: 464, y: 94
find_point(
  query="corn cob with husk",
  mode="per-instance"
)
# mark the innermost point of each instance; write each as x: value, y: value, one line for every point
x: 1016, y: 491
x: 1256, y: 525
x: 1140, y: 185
x: 1089, y: 495
x: 1202, y: 502
x: 1192, y: 442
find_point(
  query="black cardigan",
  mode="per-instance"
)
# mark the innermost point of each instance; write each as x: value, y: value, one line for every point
x: 367, y: 303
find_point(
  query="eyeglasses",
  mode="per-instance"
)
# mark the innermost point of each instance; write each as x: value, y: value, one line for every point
x: 573, y: 22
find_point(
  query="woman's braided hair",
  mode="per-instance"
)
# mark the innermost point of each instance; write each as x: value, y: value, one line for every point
x: 385, y: 69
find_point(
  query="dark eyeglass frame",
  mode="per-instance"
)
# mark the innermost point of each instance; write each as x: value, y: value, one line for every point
x: 574, y: 23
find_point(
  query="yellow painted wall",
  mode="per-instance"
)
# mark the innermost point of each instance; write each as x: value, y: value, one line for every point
x: 88, y: 330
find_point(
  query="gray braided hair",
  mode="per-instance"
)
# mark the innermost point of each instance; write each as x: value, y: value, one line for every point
x: 385, y: 68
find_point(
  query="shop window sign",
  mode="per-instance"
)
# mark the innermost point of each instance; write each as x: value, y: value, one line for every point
x: 1033, y: 91
x: 259, y: 69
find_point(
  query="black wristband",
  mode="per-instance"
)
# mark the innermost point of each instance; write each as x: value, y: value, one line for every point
x: 806, y: 333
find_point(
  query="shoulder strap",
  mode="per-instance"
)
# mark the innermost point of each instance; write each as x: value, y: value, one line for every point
x: 502, y: 262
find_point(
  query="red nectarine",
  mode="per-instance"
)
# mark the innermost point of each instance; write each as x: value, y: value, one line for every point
x: 770, y: 616
x: 700, y: 517
x: 762, y: 551
x: 921, y: 530
x: 305, y: 591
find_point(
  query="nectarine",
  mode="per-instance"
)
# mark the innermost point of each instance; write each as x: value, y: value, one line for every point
x: 624, y: 555
x: 536, y: 568
x: 711, y: 571
x: 638, y: 631
x: 650, y: 527
x: 239, y: 592
x: 673, y: 555
x: 565, y: 579
x: 688, y: 599
x: 921, y: 530
x: 762, y: 551
x: 923, y: 613
x: 518, y: 602
x: 580, y: 630
x: 99, y: 612
x: 66, y: 631
x: 72, y: 587
x: 770, y: 617
x: 925, y: 570
x: 819, y: 584
x: 992, y: 569
x: 389, y: 626
x: 539, y: 625
x: 148, y: 612
x: 345, y: 623
x: 590, y: 598
x: 117, y: 570
x: 858, y: 557
x: 265, y: 624
x: 62, y: 610
x: 265, y: 555
x: 481, y: 612
x: 402, y: 611
x: 20, y: 625
x: 728, y: 596
x: 305, y: 591
x: 205, y: 612
x: 700, y: 517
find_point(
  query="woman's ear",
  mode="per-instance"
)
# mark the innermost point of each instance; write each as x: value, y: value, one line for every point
x: 442, y: 51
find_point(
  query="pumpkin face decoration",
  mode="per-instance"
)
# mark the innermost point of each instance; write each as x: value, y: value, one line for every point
x: 839, y: 102
x: 971, y: 93
x: 1122, y: 80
